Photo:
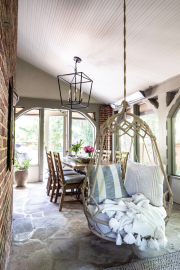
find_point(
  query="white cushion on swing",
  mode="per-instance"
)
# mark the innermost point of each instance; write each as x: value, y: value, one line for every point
x: 106, y: 229
x: 109, y: 183
x: 145, y: 179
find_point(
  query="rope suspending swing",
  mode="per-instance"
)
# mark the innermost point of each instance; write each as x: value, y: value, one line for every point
x: 125, y: 103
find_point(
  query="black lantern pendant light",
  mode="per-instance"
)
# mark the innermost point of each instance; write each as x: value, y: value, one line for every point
x: 77, y: 82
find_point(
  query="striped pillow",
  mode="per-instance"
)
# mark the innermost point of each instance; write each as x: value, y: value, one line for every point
x: 109, y: 184
x: 145, y: 179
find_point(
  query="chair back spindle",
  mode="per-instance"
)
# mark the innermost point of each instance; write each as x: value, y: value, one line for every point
x: 59, y: 169
x: 52, y: 175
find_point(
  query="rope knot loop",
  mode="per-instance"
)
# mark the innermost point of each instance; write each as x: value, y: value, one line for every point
x: 125, y: 105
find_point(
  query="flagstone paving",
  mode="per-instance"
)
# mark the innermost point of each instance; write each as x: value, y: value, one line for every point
x: 45, y: 239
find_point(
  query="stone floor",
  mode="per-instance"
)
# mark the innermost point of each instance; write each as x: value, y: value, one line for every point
x: 45, y: 239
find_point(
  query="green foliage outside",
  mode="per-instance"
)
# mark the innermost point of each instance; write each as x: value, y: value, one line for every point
x: 55, y: 135
x: 27, y: 135
x: 27, y: 129
x: 82, y: 129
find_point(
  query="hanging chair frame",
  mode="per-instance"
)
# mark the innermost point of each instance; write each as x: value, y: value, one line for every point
x: 112, y: 127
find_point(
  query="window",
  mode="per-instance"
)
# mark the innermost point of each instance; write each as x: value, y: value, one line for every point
x: 55, y: 135
x: 27, y: 135
x: 176, y: 155
x: 82, y: 129
x: 150, y: 117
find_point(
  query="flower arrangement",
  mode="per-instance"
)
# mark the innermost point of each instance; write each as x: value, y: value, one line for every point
x: 89, y: 150
x: 76, y: 147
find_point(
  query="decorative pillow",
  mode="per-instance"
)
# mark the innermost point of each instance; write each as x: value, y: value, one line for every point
x: 109, y: 184
x: 145, y: 179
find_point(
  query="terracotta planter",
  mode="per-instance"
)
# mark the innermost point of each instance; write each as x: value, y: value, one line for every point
x: 21, y: 177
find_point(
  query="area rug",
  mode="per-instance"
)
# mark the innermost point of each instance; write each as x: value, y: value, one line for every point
x: 170, y: 261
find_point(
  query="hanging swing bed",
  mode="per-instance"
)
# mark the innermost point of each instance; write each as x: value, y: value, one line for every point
x: 134, y: 210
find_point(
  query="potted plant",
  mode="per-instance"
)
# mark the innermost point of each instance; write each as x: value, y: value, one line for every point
x: 76, y: 147
x: 21, y: 174
x: 89, y: 150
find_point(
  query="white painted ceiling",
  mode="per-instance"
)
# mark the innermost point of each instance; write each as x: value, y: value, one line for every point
x: 51, y: 32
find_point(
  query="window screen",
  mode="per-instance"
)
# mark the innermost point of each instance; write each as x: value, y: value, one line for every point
x: 27, y: 135
x: 82, y: 129
x: 176, y: 156
x: 150, y: 117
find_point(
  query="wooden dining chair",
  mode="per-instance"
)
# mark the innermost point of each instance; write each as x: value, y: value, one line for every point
x: 122, y: 157
x: 52, y: 175
x: 52, y: 178
x: 65, y: 182
x: 106, y: 155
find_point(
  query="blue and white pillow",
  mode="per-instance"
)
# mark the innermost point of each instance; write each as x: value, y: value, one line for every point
x: 145, y: 179
x: 109, y: 184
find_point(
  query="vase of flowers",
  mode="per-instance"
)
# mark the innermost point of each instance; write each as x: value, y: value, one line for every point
x: 89, y: 150
x: 76, y: 147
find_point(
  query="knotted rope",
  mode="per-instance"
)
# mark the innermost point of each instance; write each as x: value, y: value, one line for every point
x: 125, y: 103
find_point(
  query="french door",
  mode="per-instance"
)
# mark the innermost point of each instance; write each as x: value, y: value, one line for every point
x: 55, y: 131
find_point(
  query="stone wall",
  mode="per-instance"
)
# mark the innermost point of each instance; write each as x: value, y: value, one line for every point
x: 8, y: 52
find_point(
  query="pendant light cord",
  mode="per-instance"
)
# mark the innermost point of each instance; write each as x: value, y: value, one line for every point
x: 124, y: 49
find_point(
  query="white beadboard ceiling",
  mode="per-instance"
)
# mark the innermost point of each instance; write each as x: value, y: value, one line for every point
x: 51, y: 32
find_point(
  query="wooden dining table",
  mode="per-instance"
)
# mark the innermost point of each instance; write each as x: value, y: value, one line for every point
x: 77, y: 165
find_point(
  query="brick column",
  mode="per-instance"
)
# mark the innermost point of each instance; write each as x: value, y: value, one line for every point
x: 8, y: 53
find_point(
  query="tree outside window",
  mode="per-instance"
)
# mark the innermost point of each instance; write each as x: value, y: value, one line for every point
x: 27, y: 136
x: 55, y: 135
x: 82, y: 129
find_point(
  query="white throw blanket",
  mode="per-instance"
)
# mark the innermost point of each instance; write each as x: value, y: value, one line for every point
x: 134, y: 219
